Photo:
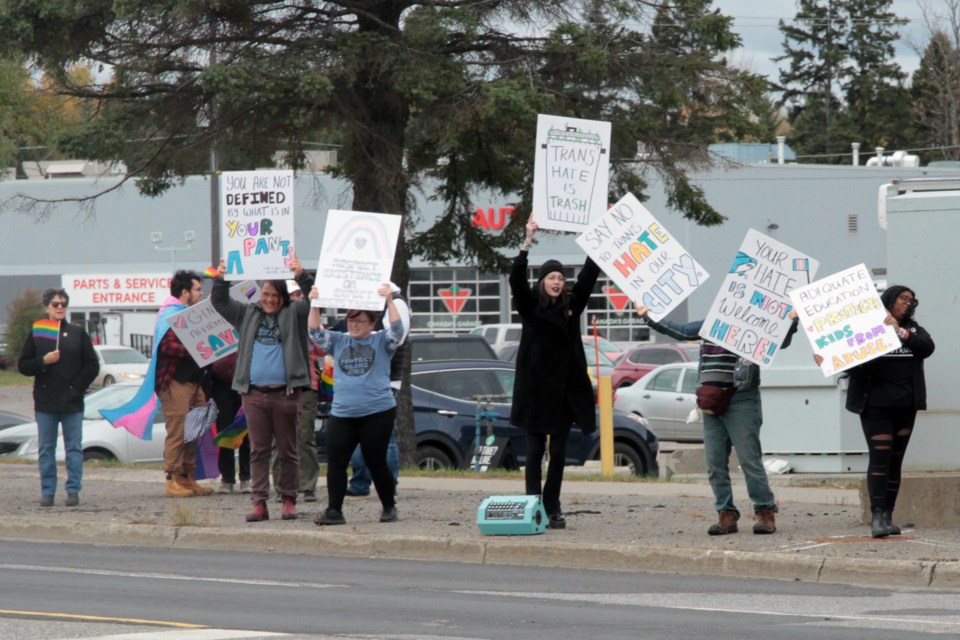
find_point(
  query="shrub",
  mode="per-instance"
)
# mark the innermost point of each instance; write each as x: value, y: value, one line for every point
x: 22, y: 312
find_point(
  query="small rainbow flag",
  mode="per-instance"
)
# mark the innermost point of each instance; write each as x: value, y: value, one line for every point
x: 232, y: 437
x: 326, y: 379
x: 210, y: 272
x: 47, y: 329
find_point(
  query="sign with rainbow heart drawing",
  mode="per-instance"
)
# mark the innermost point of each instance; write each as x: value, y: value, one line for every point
x: 256, y: 224
x: 356, y: 258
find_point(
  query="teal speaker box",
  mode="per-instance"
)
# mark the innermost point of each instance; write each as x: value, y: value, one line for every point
x: 511, y: 516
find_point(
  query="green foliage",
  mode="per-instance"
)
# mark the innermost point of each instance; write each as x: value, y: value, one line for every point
x: 935, y: 93
x: 22, y: 312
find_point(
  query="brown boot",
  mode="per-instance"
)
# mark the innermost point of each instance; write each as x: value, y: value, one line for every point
x: 726, y: 524
x: 187, y: 482
x: 174, y: 490
x: 766, y: 521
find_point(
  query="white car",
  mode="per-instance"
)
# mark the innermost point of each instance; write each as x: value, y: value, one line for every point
x: 101, y: 441
x: 119, y: 364
x: 665, y: 397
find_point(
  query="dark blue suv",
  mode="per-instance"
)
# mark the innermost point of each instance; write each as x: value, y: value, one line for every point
x: 447, y: 395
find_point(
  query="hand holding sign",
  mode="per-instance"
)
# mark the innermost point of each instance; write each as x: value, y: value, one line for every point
x: 294, y: 262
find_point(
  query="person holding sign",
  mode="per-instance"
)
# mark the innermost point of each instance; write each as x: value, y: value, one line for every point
x: 61, y: 359
x: 732, y: 419
x: 364, y: 407
x: 551, y: 389
x: 273, y: 365
x: 887, y: 393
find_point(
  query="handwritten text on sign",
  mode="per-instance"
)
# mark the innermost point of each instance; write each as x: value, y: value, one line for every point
x: 571, y: 172
x: 843, y: 318
x: 256, y: 223
x: 749, y: 315
x: 642, y: 257
x: 204, y: 332
x: 356, y: 259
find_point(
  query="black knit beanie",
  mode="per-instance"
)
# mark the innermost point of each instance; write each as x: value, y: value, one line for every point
x: 547, y: 268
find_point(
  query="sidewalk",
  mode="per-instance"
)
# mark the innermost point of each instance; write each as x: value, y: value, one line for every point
x: 629, y: 526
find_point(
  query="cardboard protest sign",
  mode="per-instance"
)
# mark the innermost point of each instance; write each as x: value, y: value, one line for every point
x: 749, y: 314
x: 356, y: 259
x: 256, y: 223
x: 843, y: 318
x: 641, y: 257
x: 204, y: 332
x: 571, y: 172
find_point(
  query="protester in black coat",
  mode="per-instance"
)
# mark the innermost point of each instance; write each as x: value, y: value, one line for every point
x: 551, y: 390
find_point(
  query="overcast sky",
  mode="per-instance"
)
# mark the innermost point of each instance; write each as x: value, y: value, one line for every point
x: 756, y: 21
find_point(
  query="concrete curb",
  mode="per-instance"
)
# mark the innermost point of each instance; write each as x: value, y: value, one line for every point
x: 518, y: 551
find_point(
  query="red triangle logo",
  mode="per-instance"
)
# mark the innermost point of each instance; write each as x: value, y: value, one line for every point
x: 617, y: 298
x: 454, y: 298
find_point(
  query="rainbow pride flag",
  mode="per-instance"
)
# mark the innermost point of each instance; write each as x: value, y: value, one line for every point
x: 47, y: 329
x: 210, y: 272
x: 326, y: 379
x: 232, y: 437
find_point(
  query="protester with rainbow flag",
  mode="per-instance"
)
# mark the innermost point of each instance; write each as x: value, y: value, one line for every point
x: 61, y: 359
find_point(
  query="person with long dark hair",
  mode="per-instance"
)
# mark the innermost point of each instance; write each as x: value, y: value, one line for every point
x: 551, y: 390
x: 887, y: 393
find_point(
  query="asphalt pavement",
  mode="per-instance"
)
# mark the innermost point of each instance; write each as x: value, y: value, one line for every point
x: 655, y: 526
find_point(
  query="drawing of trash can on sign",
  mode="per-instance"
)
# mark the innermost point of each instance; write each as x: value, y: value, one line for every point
x: 572, y: 163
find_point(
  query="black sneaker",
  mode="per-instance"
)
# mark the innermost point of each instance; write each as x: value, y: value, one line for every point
x: 46, y: 501
x: 389, y: 514
x: 558, y: 521
x: 330, y: 517
x: 73, y: 499
x: 309, y: 496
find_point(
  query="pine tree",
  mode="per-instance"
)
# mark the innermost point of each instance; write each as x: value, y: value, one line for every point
x: 935, y: 90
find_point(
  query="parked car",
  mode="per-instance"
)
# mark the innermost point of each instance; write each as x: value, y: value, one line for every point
x: 11, y: 419
x: 101, y: 441
x: 449, y: 346
x: 119, y: 364
x: 644, y: 358
x: 665, y: 397
x: 498, y: 335
x: 607, y: 348
x: 447, y: 394
x: 508, y: 353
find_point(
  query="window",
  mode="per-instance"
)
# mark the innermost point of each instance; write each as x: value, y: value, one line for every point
x: 462, y: 384
x: 666, y: 380
x: 691, y: 379
x: 649, y: 356
x: 671, y: 356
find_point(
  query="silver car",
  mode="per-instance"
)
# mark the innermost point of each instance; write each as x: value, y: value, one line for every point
x: 101, y: 441
x: 665, y: 397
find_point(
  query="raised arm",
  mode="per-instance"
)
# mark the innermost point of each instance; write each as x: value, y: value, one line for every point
x: 675, y: 330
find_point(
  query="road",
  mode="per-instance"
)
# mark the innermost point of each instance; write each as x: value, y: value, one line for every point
x: 61, y: 591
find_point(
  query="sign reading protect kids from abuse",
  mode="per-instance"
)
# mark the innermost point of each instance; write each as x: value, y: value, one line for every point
x: 571, y: 172
x: 749, y: 315
x: 843, y: 318
x: 641, y: 257
x: 356, y: 259
x: 256, y: 223
x: 205, y: 333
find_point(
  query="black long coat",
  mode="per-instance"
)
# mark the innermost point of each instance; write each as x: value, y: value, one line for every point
x: 551, y: 364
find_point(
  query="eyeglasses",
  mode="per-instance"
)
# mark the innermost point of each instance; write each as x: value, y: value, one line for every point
x: 357, y: 319
x: 907, y: 300
x: 59, y: 304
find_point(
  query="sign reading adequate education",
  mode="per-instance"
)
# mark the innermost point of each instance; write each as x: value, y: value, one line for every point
x: 642, y: 258
x: 256, y: 223
x: 137, y: 290
x: 356, y: 259
x: 205, y: 333
x: 571, y: 172
x: 749, y: 315
x: 843, y: 318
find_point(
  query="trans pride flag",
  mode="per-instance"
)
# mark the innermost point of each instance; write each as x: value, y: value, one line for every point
x: 136, y: 416
x: 47, y: 329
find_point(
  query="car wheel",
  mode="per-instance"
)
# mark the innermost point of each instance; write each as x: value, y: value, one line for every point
x: 109, y: 380
x: 626, y: 456
x: 97, y: 455
x: 433, y: 459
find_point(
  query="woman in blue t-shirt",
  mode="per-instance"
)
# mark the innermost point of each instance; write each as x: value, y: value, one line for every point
x: 364, y: 408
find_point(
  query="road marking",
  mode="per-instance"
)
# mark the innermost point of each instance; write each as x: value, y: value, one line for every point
x: 85, y: 618
x: 168, y: 576
x: 193, y: 634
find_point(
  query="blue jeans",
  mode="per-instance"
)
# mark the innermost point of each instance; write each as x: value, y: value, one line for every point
x: 47, y: 427
x: 738, y: 427
x: 361, y: 479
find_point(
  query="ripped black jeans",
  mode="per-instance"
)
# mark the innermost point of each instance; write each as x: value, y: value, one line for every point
x: 887, y: 430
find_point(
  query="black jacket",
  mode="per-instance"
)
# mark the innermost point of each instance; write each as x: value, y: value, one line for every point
x: 59, y: 388
x: 551, y: 364
x: 862, y: 377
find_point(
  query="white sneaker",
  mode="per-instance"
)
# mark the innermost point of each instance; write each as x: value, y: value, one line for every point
x: 225, y: 487
x: 245, y: 486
